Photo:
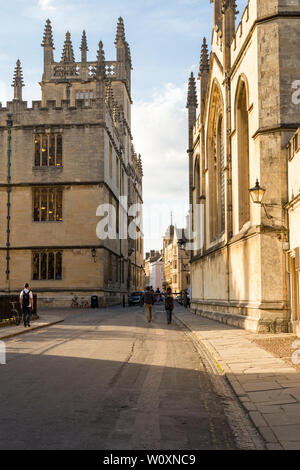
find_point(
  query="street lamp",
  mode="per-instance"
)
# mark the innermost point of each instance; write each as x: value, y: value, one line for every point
x: 181, y: 245
x: 257, y: 193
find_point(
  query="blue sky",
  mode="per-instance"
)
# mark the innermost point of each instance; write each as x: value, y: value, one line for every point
x: 165, y: 39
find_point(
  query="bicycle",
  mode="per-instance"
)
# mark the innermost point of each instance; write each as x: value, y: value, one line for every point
x: 76, y: 304
x: 15, y: 314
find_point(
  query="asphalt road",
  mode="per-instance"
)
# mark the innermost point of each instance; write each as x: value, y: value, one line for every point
x: 106, y: 379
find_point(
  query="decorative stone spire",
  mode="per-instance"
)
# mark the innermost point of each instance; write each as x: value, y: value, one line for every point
x: 229, y: 4
x: 120, y: 36
x: 84, y: 47
x: 48, y: 36
x: 217, y: 13
x: 204, y: 59
x: 18, y: 82
x: 101, y: 61
x: 192, y: 94
x: 68, y: 52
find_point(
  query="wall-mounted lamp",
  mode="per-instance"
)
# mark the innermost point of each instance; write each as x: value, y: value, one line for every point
x: 181, y: 243
x: 257, y: 194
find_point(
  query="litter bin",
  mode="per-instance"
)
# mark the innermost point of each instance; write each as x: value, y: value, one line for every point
x: 94, y: 301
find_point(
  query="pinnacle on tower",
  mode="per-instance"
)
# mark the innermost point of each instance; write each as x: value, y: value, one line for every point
x: 192, y: 94
x: 68, y: 53
x: 229, y: 4
x: 120, y: 36
x: 101, y: 60
x: 84, y: 46
x: 18, y: 75
x: 18, y: 82
x: 48, y: 36
x: 204, y: 59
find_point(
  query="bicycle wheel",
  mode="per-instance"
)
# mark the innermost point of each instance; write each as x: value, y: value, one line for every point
x: 16, y: 318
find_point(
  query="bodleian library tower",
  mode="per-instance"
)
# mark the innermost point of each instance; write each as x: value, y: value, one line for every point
x: 63, y: 158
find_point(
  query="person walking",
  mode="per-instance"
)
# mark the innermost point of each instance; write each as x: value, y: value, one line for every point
x: 148, y: 302
x: 185, y: 298
x: 169, y: 305
x: 26, y: 303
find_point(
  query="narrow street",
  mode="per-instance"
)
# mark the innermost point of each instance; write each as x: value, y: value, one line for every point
x: 109, y: 380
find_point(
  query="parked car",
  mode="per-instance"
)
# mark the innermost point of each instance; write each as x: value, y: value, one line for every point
x: 179, y: 299
x: 135, y: 298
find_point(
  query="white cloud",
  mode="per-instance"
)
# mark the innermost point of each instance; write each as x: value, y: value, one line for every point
x: 47, y: 5
x: 160, y: 135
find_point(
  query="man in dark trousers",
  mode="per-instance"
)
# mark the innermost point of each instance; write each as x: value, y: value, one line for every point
x: 169, y: 305
x: 26, y: 303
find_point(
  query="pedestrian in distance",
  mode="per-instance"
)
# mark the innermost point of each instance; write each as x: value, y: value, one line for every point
x: 148, y: 302
x: 26, y: 303
x: 169, y: 305
x: 185, y: 299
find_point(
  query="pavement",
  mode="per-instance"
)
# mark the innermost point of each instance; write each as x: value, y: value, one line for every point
x: 266, y: 386
x: 44, y: 320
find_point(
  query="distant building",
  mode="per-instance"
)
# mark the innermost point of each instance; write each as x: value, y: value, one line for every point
x: 152, y: 274
x: 176, y: 271
x: 293, y: 209
x: 156, y: 273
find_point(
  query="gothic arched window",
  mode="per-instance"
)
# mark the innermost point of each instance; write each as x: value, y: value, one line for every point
x: 216, y: 165
x: 242, y: 127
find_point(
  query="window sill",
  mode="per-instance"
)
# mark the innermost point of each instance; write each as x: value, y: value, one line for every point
x: 47, y: 168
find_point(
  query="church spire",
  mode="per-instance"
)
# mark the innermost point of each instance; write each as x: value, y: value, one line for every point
x: 18, y: 82
x: 192, y: 94
x: 68, y: 53
x: 204, y: 59
x: 84, y: 47
x: 48, y: 36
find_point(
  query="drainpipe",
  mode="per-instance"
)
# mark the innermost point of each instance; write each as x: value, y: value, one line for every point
x: 9, y: 126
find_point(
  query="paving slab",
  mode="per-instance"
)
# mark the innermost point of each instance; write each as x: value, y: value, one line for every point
x: 266, y: 386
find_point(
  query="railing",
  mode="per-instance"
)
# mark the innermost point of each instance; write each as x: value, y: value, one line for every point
x: 76, y: 69
x: 6, y: 307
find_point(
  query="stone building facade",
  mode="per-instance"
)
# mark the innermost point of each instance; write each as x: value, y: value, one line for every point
x: 62, y: 159
x: 293, y: 209
x: 176, y: 262
x: 247, y: 117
